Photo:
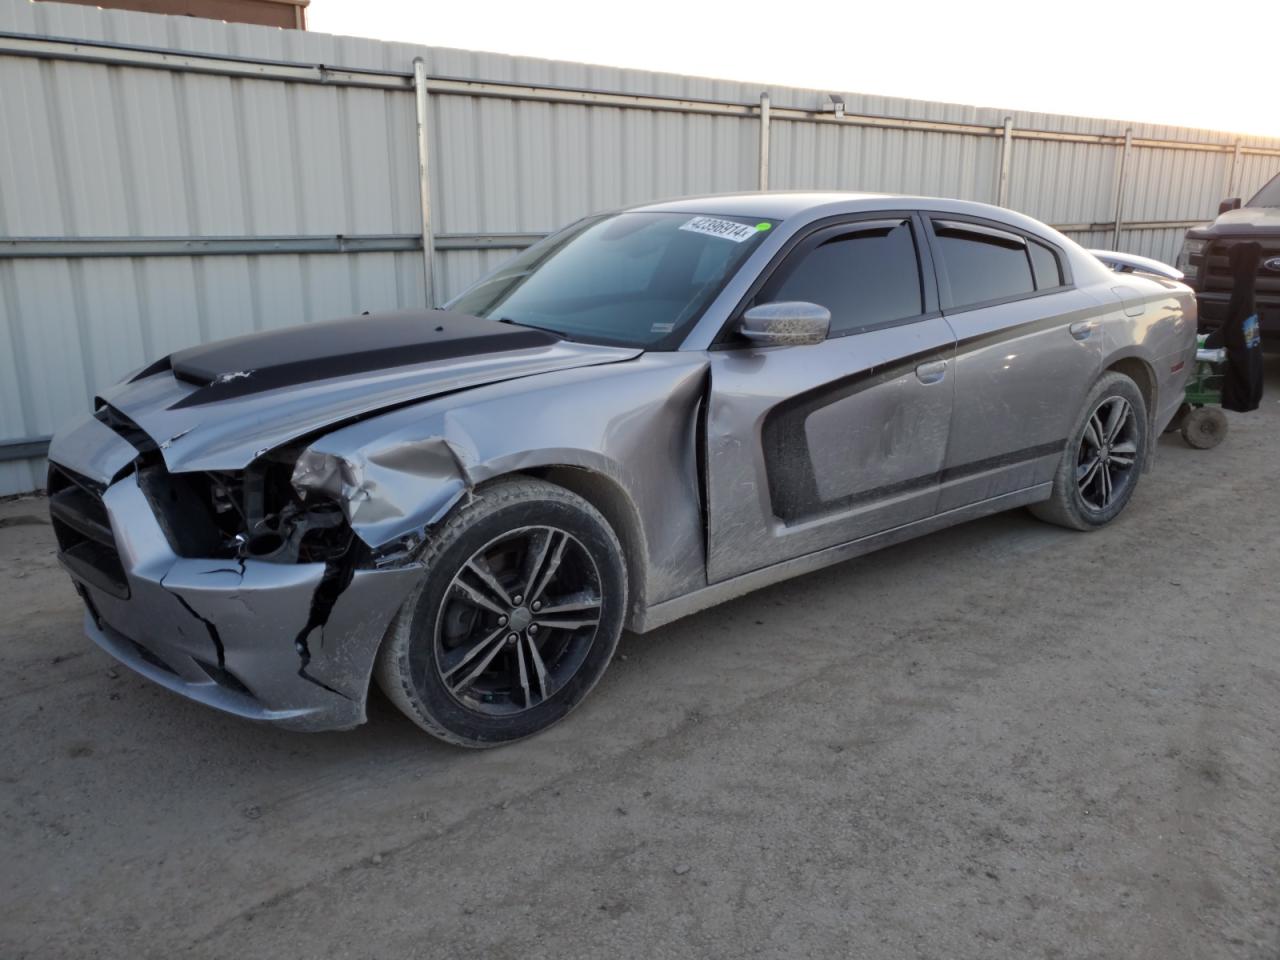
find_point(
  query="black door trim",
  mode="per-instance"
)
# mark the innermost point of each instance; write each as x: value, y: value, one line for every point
x: 793, y: 486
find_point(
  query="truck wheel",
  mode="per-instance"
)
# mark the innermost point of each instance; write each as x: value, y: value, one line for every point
x: 1103, y: 458
x: 1204, y: 427
x: 516, y: 620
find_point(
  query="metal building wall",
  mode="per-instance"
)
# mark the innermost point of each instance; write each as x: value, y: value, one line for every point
x: 208, y: 169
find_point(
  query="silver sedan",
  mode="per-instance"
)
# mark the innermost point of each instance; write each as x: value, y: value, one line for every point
x: 647, y: 413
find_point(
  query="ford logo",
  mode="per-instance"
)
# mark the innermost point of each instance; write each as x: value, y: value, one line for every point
x: 1272, y: 264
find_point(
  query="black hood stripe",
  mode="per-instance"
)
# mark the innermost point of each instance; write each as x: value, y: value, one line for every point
x: 322, y: 351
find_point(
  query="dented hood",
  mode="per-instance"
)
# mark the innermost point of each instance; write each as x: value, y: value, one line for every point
x: 220, y: 405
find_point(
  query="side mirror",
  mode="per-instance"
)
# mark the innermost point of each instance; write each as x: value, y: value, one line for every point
x: 786, y: 324
x: 1228, y: 205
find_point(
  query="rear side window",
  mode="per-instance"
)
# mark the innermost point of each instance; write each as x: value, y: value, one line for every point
x: 982, y: 264
x: 1045, y: 266
x: 865, y: 274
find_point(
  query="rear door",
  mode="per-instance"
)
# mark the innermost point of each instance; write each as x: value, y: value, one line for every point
x: 1028, y: 348
x: 812, y: 446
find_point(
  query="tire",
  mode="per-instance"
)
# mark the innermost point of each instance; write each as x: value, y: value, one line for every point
x: 449, y: 660
x: 1094, y: 482
x: 1204, y: 428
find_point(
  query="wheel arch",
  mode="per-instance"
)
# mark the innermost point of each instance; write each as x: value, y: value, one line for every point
x: 619, y: 510
x: 1143, y: 374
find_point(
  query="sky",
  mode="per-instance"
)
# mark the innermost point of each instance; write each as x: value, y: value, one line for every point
x: 1166, y: 63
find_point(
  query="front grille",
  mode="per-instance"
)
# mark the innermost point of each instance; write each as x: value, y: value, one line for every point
x: 86, y: 545
x: 1217, y: 267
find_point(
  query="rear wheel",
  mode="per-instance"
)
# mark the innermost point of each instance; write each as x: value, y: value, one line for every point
x: 1103, y: 458
x: 516, y: 621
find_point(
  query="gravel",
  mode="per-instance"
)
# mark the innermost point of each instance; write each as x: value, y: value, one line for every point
x: 1004, y: 740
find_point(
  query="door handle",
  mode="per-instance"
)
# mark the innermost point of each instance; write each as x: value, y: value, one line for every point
x: 931, y: 372
x: 1083, y: 329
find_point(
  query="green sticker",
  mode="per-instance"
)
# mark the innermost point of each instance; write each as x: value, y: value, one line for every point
x: 763, y: 226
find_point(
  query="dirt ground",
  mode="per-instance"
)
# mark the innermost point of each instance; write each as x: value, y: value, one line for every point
x: 1005, y: 740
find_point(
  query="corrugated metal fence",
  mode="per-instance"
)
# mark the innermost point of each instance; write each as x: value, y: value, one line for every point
x: 168, y: 180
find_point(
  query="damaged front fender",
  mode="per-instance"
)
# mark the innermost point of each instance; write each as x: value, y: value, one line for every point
x: 407, y: 484
x: 393, y: 488
x: 630, y: 427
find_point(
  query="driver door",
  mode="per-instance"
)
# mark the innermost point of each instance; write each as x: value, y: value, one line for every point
x: 813, y: 446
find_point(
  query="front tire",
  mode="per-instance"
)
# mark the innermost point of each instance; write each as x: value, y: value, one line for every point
x: 1103, y: 459
x: 516, y: 620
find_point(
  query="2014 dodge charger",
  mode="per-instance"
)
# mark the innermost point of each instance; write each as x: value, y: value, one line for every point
x: 647, y: 413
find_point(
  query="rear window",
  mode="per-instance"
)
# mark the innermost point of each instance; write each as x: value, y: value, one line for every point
x: 1045, y: 266
x: 982, y: 267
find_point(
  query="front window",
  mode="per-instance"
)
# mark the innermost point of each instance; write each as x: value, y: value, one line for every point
x: 636, y: 279
x: 1268, y: 196
x: 866, y: 274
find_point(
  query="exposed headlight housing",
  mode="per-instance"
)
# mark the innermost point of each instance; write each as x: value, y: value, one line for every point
x: 1191, y: 257
x: 250, y: 514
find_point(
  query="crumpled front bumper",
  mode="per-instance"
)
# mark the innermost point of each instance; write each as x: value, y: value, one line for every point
x: 233, y: 634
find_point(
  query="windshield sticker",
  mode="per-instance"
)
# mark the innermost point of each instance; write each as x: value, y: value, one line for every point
x: 662, y: 328
x: 725, y: 229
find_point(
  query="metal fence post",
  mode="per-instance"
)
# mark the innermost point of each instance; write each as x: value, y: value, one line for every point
x: 1006, y: 154
x: 764, y: 141
x: 424, y: 179
x: 1235, y: 167
x: 1121, y: 162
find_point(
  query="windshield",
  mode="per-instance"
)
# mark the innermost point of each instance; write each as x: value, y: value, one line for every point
x: 1268, y: 196
x: 635, y: 279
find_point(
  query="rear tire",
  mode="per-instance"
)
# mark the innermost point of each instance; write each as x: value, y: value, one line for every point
x: 516, y: 620
x: 1204, y: 428
x: 1103, y: 458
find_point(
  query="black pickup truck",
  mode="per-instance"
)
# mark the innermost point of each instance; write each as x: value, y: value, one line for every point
x: 1204, y: 260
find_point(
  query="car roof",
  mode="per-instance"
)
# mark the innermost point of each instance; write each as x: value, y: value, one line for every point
x: 773, y: 205
x: 811, y: 205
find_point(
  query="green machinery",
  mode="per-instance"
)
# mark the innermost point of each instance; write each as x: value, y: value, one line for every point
x: 1200, y: 419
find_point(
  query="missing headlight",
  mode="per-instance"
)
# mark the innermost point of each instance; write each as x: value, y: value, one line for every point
x: 255, y: 513
x: 300, y: 533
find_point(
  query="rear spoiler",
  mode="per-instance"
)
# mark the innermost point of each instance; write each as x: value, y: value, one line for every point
x: 1132, y: 263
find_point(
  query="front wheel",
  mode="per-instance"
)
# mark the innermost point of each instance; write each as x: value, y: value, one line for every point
x: 1103, y: 458
x: 516, y: 620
